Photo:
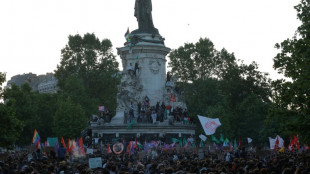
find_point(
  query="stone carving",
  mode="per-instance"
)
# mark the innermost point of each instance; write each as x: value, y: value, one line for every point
x: 143, y: 13
x: 154, y: 67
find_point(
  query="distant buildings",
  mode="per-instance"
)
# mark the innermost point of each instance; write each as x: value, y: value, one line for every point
x: 43, y: 83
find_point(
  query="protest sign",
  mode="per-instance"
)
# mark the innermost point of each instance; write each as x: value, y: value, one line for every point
x: 89, y: 151
x: 95, y: 163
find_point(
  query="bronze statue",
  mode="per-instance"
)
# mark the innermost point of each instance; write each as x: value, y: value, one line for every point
x: 143, y: 13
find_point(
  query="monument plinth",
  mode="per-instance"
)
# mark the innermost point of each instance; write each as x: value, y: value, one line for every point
x: 144, y: 81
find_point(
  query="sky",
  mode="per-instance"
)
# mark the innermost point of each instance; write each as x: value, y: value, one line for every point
x: 33, y: 32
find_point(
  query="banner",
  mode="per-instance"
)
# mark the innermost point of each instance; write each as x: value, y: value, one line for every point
x: 95, y: 163
x: 52, y: 141
x: 209, y: 124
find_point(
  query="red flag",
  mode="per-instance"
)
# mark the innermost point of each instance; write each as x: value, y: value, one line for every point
x: 38, y: 145
x: 109, y: 149
x: 172, y: 98
x: 290, y: 146
x: 128, y: 148
x: 69, y: 146
x: 296, y: 142
x: 62, y: 141
x: 239, y: 142
x: 276, y: 146
x: 81, y: 146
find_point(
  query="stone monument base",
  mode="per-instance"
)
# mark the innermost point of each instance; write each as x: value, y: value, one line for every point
x: 109, y: 131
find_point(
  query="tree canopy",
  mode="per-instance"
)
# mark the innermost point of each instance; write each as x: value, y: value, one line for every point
x: 216, y: 84
x: 10, y: 126
x: 292, y: 94
x: 88, y: 72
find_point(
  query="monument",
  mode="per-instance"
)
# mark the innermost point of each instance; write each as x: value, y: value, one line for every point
x: 144, y: 84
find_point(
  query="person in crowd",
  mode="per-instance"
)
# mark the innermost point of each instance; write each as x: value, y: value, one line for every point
x: 61, y: 152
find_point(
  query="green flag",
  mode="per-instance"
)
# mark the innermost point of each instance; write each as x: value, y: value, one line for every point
x: 184, y: 141
x: 175, y: 140
x: 131, y: 123
x: 194, y: 145
x: 201, y: 144
x: 222, y: 138
x: 214, y: 139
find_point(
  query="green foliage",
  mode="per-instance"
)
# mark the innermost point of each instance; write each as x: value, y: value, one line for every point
x: 69, y: 118
x: 217, y: 85
x: 88, y: 72
x: 35, y: 110
x: 292, y: 95
x: 10, y: 126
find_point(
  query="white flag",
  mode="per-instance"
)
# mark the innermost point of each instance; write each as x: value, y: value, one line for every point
x: 209, y: 124
x: 249, y: 140
x: 272, y: 142
x: 202, y: 137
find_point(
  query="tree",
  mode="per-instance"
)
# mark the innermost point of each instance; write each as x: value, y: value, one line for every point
x: 292, y: 95
x: 88, y: 62
x: 216, y: 84
x: 10, y: 126
x: 69, y: 120
x: 35, y: 110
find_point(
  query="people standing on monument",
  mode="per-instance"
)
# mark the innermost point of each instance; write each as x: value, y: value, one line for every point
x: 139, y: 107
x: 168, y: 77
x: 157, y: 107
x: 130, y: 69
x: 154, y: 116
x: 125, y: 116
x: 136, y: 68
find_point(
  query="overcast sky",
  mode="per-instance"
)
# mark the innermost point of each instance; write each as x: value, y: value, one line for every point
x: 33, y: 32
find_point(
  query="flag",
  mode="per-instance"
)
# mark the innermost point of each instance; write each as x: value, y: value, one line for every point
x: 296, y: 142
x: 172, y: 98
x: 249, y: 140
x: 38, y: 145
x: 101, y: 108
x: 109, y: 149
x: 81, y: 145
x: 201, y: 144
x: 35, y: 137
x: 209, y: 124
x: 221, y: 138
x: 272, y: 142
x: 62, y: 141
x: 131, y: 123
x: 175, y: 140
x: 226, y: 142
x: 214, y: 139
x: 276, y: 146
x: 127, y: 33
x: 239, y: 142
x: 202, y: 137
x: 140, y: 146
x: 69, y: 147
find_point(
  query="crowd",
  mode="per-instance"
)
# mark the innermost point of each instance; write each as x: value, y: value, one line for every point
x: 159, y: 161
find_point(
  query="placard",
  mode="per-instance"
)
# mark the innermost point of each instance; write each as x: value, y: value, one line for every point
x: 89, y: 151
x: 95, y: 163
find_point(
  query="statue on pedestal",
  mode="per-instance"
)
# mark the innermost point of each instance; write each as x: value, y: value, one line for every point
x: 143, y: 13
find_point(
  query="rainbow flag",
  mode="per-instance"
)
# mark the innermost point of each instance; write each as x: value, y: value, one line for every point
x: 35, y: 137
